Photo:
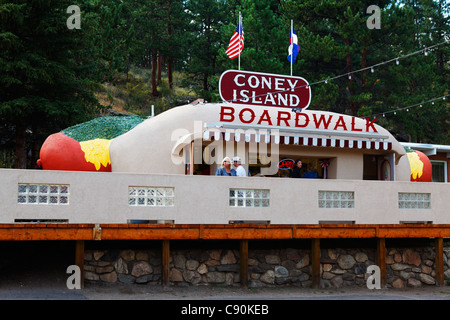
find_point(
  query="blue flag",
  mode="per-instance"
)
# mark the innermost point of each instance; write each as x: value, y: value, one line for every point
x: 294, y: 47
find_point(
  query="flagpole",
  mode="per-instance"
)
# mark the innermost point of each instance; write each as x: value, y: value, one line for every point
x: 292, y: 44
x: 239, y: 39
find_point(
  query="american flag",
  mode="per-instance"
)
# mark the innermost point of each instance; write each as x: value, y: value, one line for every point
x: 236, y: 42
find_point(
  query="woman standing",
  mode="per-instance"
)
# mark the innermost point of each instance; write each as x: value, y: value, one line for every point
x: 296, y: 171
x: 225, y: 169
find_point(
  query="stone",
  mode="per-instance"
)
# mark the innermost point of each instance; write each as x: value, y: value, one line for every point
x: 289, y: 264
x: 414, y: 283
x: 348, y: 276
x: 252, y: 262
x: 303, y: 277
x: 303, y: 262
x: 191, y: 276
x: 272, y: 259
x: 360, y: 268
x: 429, y: 263
x: 411, y: 257
x: 447, y: 274
x: 426, y: 269
x: 98, y: 254
x: 100, y: 270
x: 399, y: 266
x: 281, y: 271
x: 228, y: 268
x: 361, y: 257
x: 215, y: 277
x: 91, y: 276
x: 215, y: 254
x: 337, y: 282
x: 88, y: 256
x: 346, y: 261
x: 406, y: 275
x: 141, y: 268
x: 144, y: 279
x: 142, y: 255
x: 229, y: 279
x: 398, y: 284
x: 202, y: 269
x: 228, y: 258
x: 327, y: 267
x: 127, y: 255
x: 121, y: 266
x: 126, y: 278
x: 389, y: 260
x: 333, y: 254
x: 192, y: 264
x: 327, y: 275
x: 179, y: 261
x: 268, y: 277
x: 397, y: 257
x: 109, y: 277
x: 175, y: 275
x: 427, y: 279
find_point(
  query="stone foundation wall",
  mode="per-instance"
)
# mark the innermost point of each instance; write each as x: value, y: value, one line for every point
x: 406, y: 267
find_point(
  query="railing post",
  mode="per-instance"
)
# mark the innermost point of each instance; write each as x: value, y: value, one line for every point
x: 165, y: 262
x: 381, y: 259
x: 79, y: 258
x: 243, y: 258
x: 315, y: 263
x: 439, y: 261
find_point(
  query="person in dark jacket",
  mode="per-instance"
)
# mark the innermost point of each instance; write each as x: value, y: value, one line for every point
x: 296, y: 170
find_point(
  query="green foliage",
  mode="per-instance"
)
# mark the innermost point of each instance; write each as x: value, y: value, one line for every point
x: 102, y: 128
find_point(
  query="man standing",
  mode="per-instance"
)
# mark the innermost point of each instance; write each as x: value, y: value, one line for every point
x: 240, y: 171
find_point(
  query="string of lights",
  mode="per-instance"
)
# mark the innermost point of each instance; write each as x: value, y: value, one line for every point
x: 424, y: 51
x: 432, y: 101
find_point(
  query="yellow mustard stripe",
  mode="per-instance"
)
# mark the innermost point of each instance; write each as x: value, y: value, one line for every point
x: 97, y: 152
x: 416, y: 165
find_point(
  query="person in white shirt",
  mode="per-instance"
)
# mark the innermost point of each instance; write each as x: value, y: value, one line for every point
x: 240, y: 170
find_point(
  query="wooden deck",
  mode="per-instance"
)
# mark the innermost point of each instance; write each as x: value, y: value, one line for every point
x: 243, y: 232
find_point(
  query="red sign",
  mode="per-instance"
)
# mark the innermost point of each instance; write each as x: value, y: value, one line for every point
x: 264, y: 89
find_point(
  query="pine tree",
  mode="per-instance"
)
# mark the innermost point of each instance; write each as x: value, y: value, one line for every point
x: 39, y: 85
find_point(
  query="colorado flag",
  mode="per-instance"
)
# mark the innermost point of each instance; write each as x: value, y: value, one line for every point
x: 294, y: 48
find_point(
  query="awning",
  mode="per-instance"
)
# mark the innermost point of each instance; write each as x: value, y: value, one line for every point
x: 290, y: 139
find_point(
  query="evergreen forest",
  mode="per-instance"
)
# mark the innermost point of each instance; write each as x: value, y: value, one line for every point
x: 129, y: 55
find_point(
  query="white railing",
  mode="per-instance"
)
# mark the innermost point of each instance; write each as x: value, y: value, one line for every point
x: 90, y: 197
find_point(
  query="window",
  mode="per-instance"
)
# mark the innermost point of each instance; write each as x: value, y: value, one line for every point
x: 151, y: 196
x: 414, y: 200
x: 53, y: 194
x: 439, y: 171
x: 336, y: 199
x: 249, y: 198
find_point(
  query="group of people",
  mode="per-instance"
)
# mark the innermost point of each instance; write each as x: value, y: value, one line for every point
x: 297, y: 172
x: 226, y: 169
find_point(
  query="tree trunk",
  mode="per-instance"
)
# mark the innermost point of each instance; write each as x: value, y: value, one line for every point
x: 21, y: 150
x: 169, y: 72
x: 154, y: 67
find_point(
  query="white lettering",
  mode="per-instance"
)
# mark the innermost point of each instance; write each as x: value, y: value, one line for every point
x: 74, y: 21
x: 256, y: 82
x: 236, y: 80
x: 292, y: 85
x: 266, y: 83
x: 278, y: 84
